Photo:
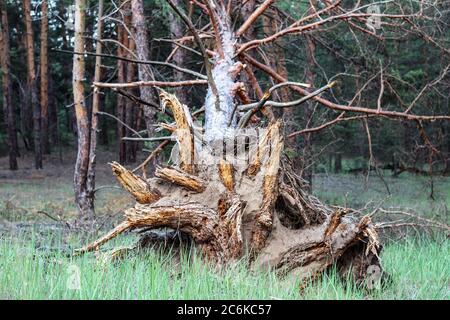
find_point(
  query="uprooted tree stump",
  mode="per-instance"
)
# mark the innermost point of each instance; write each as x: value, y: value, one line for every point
x: 258, y: 209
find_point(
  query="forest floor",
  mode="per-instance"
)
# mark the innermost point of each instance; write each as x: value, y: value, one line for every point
x: 37, y: 234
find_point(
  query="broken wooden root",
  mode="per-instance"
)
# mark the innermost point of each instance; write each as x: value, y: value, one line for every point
x: 135, y: 185
x: 260, y: 210
x: 181, y: 178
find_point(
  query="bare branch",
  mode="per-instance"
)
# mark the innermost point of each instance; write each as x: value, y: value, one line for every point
x: 327, y: 103
x: 167, y: 64
x: 206, y: 61
x: 120, y: 121
x: 162, y: 84
x: 260, y: 10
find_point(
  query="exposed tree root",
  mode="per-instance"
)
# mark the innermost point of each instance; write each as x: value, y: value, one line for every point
x: 259, y: 209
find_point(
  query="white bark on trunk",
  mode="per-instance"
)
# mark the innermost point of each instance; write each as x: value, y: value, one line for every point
x: 219, y: 117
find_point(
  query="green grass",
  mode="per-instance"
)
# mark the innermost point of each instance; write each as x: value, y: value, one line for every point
x: 419, y: 269
x: 407, y: 192
x: 418, y: 265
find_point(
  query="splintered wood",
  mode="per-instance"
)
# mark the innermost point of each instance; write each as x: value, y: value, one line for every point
x: 226, y: 175
x: 138, y: 187
x: 184, y: 132
x: 273, y: 145
x: 260, y: 209
x: 181, y: 178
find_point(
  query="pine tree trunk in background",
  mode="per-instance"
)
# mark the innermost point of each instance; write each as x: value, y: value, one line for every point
x: 307, y: 165
x: 84, y: 200
x: 8, y: 109
x: 44, y: 77
x: 121, y: 78
x: 52, y: 115
x: 447, y: 138
x: 250, y: 34
x: 32, y: 87
x: 337, y: 162
x: 179, y: 58
x: 130, y: 105
x: 143, y: 52
x: 95, y: 104
x: 130, y: 146
x: 278, y: 60
x: 26, y: 114
x: 69, y: 114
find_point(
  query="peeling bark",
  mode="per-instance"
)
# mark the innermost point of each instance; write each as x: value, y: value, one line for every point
x: 219, y: 110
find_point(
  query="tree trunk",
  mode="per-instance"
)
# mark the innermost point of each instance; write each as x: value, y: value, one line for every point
x: 143, y: 52
x: 32, y: 87
x: 131, y: 77
x: 44, y: 77
x: 122, y: 37
x: 337, y: 162
x: 219, y: 105
x: 176, y: 27
x: 53, y: 116
x: 8, y: 109
x: 308, y: 109
x: 26, y: 113
x: 83, y: 198
x: 130, y: 107
x: 95, y: 105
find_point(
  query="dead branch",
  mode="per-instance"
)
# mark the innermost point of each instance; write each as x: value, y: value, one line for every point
x: 259, y: 11
x: 412, y: 215
x: 151, y: 156
x: 124, y: 226
x: 138, y: 187
x: 149, y: 62
x: 181, y: 178
x: 327, y: 103
x: 162, y: 84
x: 199, y: 42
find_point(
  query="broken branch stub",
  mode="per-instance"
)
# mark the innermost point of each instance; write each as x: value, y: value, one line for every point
x: 184, y: 132
x: 272, y: 146
x: 181, y: 178
x: 138, y: 187
x: 226, y: 172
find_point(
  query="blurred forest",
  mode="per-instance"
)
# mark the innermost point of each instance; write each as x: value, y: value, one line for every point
x: 399, y: 65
